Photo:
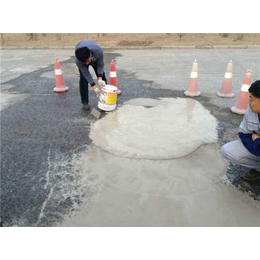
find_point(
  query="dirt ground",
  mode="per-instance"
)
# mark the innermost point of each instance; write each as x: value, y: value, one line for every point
x: 129, y: 39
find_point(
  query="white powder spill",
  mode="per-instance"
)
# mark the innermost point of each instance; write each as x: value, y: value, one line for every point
x: 170, y: 128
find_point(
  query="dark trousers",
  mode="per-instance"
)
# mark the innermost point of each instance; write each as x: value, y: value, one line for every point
x: 83, y: 84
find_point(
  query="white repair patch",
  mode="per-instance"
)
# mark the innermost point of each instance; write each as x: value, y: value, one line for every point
x: 171, y: 128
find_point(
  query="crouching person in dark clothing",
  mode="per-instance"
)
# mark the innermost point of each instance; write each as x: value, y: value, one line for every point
x: 87, y: 53
x: 246, y: 151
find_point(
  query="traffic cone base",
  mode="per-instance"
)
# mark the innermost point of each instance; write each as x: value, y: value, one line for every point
x: 60, y: 89
x: 226, y: 95
x: 238, y: 111
x: 225, y: 91
x: 192, y: 94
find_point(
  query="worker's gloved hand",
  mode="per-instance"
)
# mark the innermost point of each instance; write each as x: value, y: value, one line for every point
x: 101, y: 83
x: 97, y: 91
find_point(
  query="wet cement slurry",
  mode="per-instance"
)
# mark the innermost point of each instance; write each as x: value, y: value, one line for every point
x: 46, y: 152
x: 145, y: 129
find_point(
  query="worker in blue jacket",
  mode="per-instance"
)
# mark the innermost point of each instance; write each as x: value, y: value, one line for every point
x: 246, y: 151
x: 87, y: 53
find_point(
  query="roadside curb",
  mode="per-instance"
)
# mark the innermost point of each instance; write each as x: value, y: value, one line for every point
x: 140, y: 47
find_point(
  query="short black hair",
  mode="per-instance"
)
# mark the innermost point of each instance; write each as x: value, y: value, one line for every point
x: 255, y: 89
x: 82, y: 54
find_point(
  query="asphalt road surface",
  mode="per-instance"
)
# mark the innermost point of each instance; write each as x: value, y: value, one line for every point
x: 54, y: 174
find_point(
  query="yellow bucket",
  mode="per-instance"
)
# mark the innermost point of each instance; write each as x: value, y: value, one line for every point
x: 108, y: 98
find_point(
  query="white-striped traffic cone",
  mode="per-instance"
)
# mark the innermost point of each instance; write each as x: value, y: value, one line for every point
x: 60, y: 84
x: 242, y: 101
x: 193, y: 84
x: 113, y: 78
x: 226, y: 90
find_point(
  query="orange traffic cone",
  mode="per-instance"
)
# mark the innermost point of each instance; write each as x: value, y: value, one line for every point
x: 225, y: 91
x: 242, y: 101
x: 193, y: 85
x: 113, y: 78
x: 60, y: 84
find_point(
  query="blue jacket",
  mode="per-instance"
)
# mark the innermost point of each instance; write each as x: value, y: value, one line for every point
x: 248, y: 126
x: 97, y: 57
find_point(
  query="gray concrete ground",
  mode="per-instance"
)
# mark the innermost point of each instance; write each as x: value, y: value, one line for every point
x: 56, y: 172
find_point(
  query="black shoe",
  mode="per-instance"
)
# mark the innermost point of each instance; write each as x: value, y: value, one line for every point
x: 251, y: 175
x: 86, y: 106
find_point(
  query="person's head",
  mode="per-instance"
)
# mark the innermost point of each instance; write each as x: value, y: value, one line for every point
x: 254, y: 97
x: 83, y: 55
